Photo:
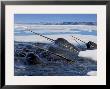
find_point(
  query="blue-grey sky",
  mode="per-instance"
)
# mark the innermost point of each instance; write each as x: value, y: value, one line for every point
x: 36, y: 18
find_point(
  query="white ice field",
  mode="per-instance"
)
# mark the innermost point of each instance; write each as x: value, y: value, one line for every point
x: 54, y: 32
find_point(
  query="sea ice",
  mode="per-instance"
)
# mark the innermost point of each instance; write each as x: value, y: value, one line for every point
x: 92, y: 73
x: 92, y: 54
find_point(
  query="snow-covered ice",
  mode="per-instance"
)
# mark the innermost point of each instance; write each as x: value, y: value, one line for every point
x: 57, y: 27
x: 83, y: 32
x: 92, y: 54
x: 92, y: 73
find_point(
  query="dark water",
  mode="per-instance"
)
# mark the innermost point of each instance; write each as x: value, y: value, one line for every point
x: 48, y: 65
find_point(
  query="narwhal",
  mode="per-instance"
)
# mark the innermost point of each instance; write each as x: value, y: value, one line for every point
x: 62, y: 48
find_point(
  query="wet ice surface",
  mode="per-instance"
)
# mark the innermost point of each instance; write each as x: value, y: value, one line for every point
x: 49, y: 66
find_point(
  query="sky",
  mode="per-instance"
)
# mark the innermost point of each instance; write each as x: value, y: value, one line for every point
x: 36, y: 18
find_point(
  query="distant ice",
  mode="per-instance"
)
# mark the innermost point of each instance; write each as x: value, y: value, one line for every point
x: 57, y: 27
x: 62, y: 29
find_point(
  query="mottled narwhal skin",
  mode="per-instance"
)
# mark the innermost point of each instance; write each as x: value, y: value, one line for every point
x: 64, y: 48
